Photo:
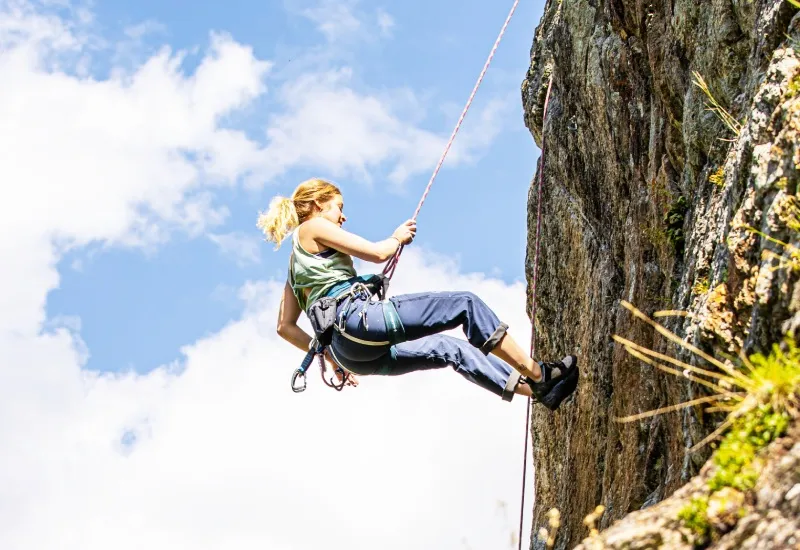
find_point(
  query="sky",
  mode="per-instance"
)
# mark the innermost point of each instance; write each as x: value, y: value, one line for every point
x: 144, y: 393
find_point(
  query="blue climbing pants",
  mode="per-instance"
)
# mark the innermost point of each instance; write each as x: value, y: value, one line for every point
x: 360, y: 338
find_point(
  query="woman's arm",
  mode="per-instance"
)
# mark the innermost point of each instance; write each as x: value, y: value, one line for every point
x: 288, y: 314
x: 329, y: 234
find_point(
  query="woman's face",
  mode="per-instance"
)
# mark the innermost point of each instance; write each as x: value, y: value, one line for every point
x: 332, y: 210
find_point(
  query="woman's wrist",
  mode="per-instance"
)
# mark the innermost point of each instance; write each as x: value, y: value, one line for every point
x: 392, y: 245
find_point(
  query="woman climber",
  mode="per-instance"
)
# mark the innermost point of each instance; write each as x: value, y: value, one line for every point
x: 400, y: 334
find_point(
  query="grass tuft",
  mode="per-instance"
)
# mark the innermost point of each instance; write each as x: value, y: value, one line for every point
x: 734, y: 125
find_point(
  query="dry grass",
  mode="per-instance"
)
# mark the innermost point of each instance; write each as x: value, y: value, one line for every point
x: 760, y: 380
x: 734, y: 125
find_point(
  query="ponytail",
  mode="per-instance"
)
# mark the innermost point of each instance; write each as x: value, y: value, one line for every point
x: 279, y: 220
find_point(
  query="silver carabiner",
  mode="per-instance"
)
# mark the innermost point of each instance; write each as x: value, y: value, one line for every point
x: 298, y: 374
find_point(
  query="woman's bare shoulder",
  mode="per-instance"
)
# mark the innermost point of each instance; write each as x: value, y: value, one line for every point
x: 317, y: 223
x: 310, y: 230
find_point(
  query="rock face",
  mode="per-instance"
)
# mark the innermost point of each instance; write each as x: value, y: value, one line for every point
x: 651, y: 197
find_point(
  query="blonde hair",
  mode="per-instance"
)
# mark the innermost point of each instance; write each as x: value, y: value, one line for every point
x: 285, y: 213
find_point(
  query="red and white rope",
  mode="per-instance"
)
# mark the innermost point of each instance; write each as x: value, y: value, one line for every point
x: 392, y: 263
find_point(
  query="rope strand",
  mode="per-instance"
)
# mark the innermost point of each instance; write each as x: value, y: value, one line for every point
x: 391, y: 265
x: 533, y: 304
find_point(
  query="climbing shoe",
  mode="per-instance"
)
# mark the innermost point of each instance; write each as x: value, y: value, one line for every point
x: 558, y: 382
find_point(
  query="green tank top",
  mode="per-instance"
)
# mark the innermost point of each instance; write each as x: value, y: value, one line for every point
x: 319, y: 272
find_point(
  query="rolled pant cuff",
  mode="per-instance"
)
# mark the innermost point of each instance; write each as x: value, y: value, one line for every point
x: 494, y: 339
x: 511, y: 384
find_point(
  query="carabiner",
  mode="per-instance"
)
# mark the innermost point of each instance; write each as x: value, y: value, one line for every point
x: 295, y: 387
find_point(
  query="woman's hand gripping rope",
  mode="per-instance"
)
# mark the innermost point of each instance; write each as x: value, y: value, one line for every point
x: 406, y: 232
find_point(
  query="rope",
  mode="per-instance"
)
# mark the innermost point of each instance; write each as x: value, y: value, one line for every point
x: 533, y: 305
x: 392, y: 263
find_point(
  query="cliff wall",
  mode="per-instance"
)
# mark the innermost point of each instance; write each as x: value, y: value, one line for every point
x: 651, y: 197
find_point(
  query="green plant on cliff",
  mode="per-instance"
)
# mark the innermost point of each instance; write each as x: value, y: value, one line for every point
x: 673, y: 220
x: 791, y: 213
x: 734, y: 125
x: 656, y: 236
x: 736, y: 458
x: 794, y: 83
x: 695, y: 517
x: 737, y: 467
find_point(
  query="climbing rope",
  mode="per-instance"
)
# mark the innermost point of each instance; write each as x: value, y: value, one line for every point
x: 391, y: 265
x: 533, y: 304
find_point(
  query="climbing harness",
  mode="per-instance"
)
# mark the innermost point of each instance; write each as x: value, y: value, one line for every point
x: 324, y: 321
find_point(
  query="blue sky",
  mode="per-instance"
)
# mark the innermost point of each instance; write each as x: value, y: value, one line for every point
x: 144, y: 392
x: 137, y: 308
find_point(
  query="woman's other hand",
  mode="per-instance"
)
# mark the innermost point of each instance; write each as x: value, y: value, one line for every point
x: 352, y: 379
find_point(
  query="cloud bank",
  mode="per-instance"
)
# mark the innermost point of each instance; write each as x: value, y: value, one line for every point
x: 216, y: 451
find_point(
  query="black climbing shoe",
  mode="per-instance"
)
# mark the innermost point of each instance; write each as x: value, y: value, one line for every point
x: 558, y: 382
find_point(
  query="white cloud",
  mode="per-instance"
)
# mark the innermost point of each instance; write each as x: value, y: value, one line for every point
x: 334, y: 18
x: 342, y: 21
x: 327, y: 124
x: 482, y: 126
x: 140, y: 30
x: 245, y: 249
x: 124, y: 160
